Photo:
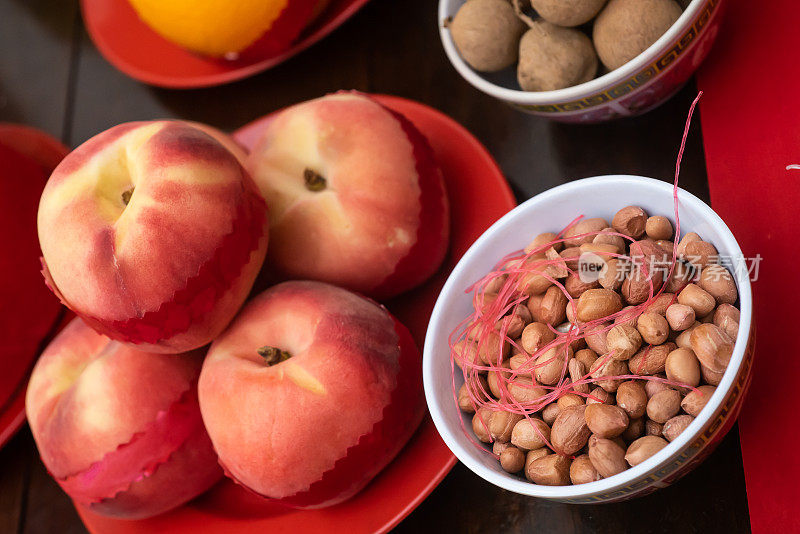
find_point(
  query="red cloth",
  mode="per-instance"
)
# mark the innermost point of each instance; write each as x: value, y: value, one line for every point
x: 751, y: 127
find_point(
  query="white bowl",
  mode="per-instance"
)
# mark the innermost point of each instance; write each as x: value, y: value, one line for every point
x: 551, y: 211
x: 638, y: 86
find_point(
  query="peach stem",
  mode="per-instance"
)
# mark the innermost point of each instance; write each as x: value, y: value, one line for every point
x: 314, y: 180
x: 273, y: 355
x: 126, y: 196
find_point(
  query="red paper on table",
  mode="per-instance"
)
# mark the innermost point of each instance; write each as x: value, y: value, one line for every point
x: 750, y: 116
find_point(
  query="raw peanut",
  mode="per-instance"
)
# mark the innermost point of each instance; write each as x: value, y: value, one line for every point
x: 465, y: 351
x: 484, y: 300
x: 600, y: 395
x: 534, y: 282
x: 464, y: 400
x: 710, y: 376
x: 577, y: 344
x: 522, y: 363
x: 694, y: 402
x: 622, y: 341
x: 598, y: 303
x: 480, y: 425
x: 635, y: 430
x: 718, y: 282
x: 682, y: 274
x: 632, y: 397
x: 612, y: 274
x: 493, y: 379
x: 585, y: 226
x: 602, y: 250
x: 524, y: 391
x: 515, y: 321
x: 630, y: 221
x: 501, y: 424
x: 727, y: 318
x: 582, y: 471
x: 698, y: 299
x: 607, y: 237
x: 605, y: 420
x: 680, y: 316
x: 658, y: 227
x: 628, y: 315
x: 606, y: 366
x: 550, y: 470
x: 651, y: 387
x: 596, y: 339
x: 682, y: 366
x: 653, y: 328
x: 643, y: 448
x: 498, y: 448
x: 555, y: 265
x: 492, y: 348
x: 532, y: 456
x: 553, y: 308
x: 530, y: 434
x: 571, y: 257
x: 607, y: 457
x: 570, y: 399
x: 674, y: 426
x: 571, y: 312
x: 587, y: 357
x: 684, y: 339
x: 651, y: 428
x: 569, y: 432
x: 651, y: 359
x: 539, y: 242
x: 664, y: 405
x: 700, y: 253
x: 576, y: 287
x: 551, y: 366
x: 688, y: 238
x: 495, y: 284
x: 660, y: 304
x: 576, y: 372
x: 666, y: 244
x: 706, y: 319
x: 535, y: 336
x: 550, y: 412
x: 726, y: 310
x: 638, y: 285
x: 647, y: 255
x: 712, y: 347
x: 534, y: 305
x: 512, y: 460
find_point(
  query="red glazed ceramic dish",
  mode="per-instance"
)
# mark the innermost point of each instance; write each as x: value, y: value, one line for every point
x: 132, y: 47
x: 479, y: 195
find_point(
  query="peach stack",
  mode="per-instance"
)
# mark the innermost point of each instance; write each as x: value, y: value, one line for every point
x: 153, y: 233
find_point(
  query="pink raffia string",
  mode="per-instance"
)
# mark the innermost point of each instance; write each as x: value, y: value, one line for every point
x: 475, y: 343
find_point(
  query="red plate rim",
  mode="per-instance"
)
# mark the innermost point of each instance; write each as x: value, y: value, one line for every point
x: 109, y: 21
x: 46, y: 151
x: 458, y: 151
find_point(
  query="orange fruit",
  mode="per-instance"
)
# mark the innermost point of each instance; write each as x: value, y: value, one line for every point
x: 225, y: 27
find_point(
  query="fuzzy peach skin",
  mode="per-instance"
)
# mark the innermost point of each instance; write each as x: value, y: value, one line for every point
x: 153, y: 233
x: 311, y: 430
x: 355, y: 195
x: 120, y: 429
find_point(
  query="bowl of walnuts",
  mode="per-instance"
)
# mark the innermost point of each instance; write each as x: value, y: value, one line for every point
x: 579, y: 60
x: 594, y: 344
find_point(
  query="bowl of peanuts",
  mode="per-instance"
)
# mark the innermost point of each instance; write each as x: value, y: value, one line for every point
x: 594, y: 344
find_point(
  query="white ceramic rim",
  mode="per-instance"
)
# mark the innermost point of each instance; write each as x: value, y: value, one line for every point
x: 576, y: 92
x: 515, y: 484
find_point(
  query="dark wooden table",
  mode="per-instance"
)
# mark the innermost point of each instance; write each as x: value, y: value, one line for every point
x: 52, y: 77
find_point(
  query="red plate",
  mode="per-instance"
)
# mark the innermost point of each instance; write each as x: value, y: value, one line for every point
x: 29, y: 313
x: 131, y: 46
x: 479, y: 195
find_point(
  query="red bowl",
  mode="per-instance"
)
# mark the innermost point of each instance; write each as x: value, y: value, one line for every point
x: 30, y: 313
x: 479, y: 195
x: 132, y: 47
